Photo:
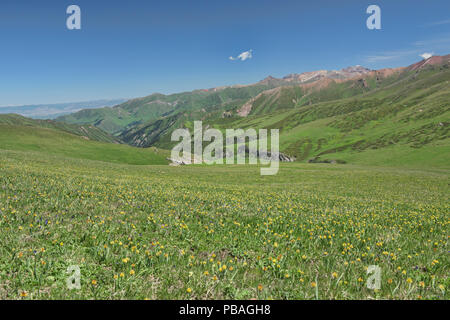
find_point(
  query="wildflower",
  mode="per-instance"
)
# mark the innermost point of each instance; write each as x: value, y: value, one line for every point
x: 313, y: 284
x: 132, y: 272
x: 94, y: 282
x: 24, y: 294
x: 189, y: 290
x: 334, y: 275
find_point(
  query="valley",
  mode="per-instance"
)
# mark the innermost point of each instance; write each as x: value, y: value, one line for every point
x: 353, y: 115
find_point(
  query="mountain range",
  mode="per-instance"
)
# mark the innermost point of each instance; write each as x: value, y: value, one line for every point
x: 120, y: 118
x: 355, y: 115
x: 51, y: 111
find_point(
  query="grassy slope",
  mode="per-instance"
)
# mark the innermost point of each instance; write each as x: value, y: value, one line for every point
x: 399, y: 118
x: 404, y: 123
x: 134, y: 112
x: 88, y: 131
x: 278, y: 235
x: 57, y: 142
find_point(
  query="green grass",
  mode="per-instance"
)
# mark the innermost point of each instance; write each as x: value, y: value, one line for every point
x: 139, y: 229
x: 89, y: 132
x: 403, y: 123
x: 163, y: 232
x: 51, y: 141
x: 436, y: 155
x: 119, y: 119
x: 400, y: 120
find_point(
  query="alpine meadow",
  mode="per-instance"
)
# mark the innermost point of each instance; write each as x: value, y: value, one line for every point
x: 94, y: 206
x: 369, y: 187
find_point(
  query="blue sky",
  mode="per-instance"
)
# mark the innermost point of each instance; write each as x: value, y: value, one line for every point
x: 134, y: 48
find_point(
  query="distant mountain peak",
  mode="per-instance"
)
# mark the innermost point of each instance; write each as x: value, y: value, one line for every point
x: 312, y: 76
x: 268, y: 78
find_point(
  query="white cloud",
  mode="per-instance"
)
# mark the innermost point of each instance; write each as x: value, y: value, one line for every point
x: 426, y: 55
x: 390, y: 55
x: 439, y: 23
x: 243, y: 56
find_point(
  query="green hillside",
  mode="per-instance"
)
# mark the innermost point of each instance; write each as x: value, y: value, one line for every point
x: 60, y: 143
x: 207, y: 103
x: 406, y: 122
x: 385, y: 117
x: 89, y: 132
x: 225, y: 232
x: 117, y: 119
x: 392, y: 118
